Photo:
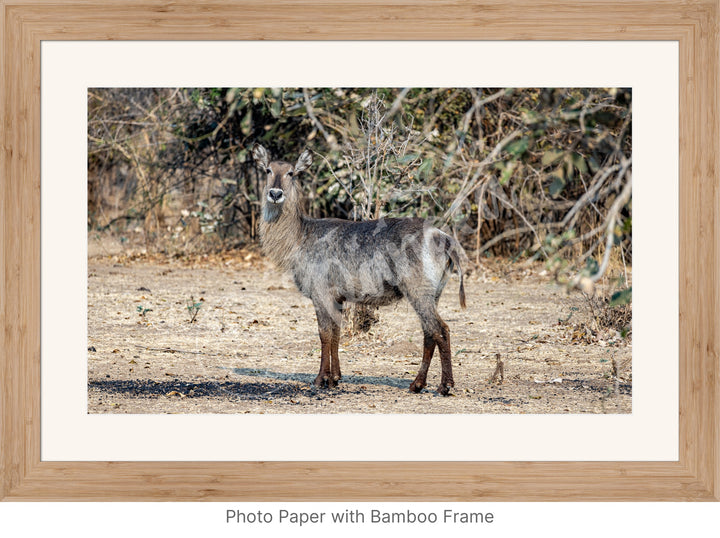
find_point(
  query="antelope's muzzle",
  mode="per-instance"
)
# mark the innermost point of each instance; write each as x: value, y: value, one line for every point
x: 276, y: 196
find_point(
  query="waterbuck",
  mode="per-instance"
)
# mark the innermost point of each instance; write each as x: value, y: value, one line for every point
x: 376, y: 263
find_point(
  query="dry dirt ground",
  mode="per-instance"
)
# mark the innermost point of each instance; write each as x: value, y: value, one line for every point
x: 254, y: 347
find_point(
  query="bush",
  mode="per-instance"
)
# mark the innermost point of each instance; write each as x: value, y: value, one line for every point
x: 540, y: 173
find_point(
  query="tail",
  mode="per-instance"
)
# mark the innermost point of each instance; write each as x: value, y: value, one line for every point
x: 457, y: 253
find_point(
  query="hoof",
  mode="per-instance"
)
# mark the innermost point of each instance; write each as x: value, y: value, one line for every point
x: 320, y: 381
x: 416, y: 387
x: 443, y: 390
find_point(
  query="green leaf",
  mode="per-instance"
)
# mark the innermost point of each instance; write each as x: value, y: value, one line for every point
x: 530, y: 116
x: 621, y: 297
x: 579, y: 163
x: 425, y: 169
x: 246, y: 123
x: 410, y: 157
x: 276, y: 108
x: 556, y: 186
x: 507, y: 172
x: 569, y: 234
x: 617, y: 235
x: 592, y: 266
x: 592, y: 163
x: 518, y: 147
x: 559, y: 182
x: 551, y: 156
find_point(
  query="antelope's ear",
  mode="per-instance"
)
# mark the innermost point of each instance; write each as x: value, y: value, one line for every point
x: 304, y: 161
x: 260, y: 155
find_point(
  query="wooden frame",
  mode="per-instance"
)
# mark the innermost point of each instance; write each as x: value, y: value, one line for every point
x: 694, y: 24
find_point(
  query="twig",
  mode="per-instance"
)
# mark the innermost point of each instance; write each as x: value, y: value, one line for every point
x: 587, y: 282
x: 498, y: 376
x: 614, y: 210
x: 332, y: 142
x: 590, y: 193
x: 172, y: 350
x: 517, y: 231
x: 477, y: 103
x: 464, y: 189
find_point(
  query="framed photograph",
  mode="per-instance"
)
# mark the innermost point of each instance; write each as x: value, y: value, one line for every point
x: 98, y: 402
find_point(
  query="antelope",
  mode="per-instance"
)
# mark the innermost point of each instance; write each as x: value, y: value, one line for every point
x: 378, y: 262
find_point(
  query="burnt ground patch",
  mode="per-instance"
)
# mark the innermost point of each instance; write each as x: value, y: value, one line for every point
x: 226, y: 389
x: 352, y: 379
x: 598, y: 385
x: 229, y: 390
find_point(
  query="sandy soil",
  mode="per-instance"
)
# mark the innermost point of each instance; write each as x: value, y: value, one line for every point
x: 254, y: 348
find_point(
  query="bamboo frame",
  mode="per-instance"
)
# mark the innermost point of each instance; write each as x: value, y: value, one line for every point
x: 694, y: 24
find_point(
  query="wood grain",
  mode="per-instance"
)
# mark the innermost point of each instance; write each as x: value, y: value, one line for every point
x: 694, y: 24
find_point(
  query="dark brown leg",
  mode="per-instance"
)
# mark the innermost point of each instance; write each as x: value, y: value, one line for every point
x: 436, y: 333
x: 329, y: 330
x: 443, y: 342
x: 324, y: 376
x: 335, y: 374
x: 428, y: 350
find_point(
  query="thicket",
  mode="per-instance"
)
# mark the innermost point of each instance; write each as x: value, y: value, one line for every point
x: 532, y: 173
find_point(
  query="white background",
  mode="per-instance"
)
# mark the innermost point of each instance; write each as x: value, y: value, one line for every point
x: 523, y: 520
x: 541, y: 64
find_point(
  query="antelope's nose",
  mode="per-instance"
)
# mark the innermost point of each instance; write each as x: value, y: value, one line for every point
x: 276, y: 195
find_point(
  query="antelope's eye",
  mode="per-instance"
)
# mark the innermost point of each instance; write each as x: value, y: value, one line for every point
x: 268, y: 171
x: 290, y: 173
